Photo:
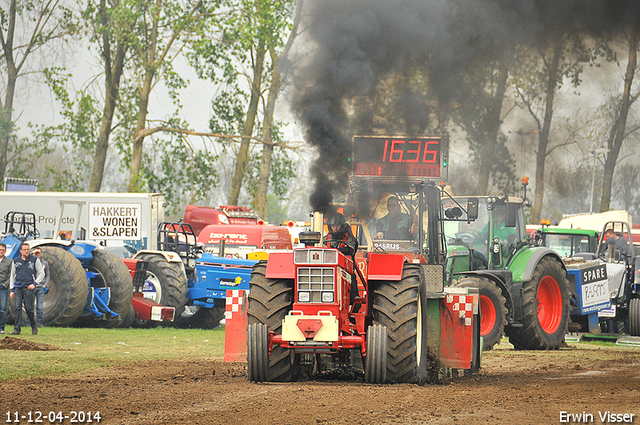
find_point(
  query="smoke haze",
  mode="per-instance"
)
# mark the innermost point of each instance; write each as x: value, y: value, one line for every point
x: 349, y: 47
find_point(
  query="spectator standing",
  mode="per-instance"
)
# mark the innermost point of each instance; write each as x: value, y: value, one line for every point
x: 5, y: 275
x: 26, y: 273
x: 41, y: 288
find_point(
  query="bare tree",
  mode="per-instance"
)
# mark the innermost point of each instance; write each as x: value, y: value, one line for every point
x: 619, y: 129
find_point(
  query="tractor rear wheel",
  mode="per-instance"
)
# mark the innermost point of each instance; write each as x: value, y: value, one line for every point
x: 166, y: 282
x: 258, y: 352
x: 68, y: 287
x: 375, y: 371
x: 634, y: 317
x: 397, y: 305
x: 545, y: 309
x: 115, y: 275
x: 269, y: 301
x: 493, y: 309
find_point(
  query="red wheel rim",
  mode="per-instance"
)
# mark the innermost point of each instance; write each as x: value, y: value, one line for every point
x: 487, y: 315
x: 549, y: 304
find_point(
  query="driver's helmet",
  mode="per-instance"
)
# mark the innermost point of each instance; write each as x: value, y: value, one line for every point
x: 336, y: 219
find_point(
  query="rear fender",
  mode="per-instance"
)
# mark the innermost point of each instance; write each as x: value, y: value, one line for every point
x: 170, y: 257
x: 502, y: 282
x: 524, y: 262
x: 280, y: 266
x: 385, y: 266
x: 83, y: 250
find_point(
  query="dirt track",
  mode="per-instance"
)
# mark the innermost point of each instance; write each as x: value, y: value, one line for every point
x: 513, y: 387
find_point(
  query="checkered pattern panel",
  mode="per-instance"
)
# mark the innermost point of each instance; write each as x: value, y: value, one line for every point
x: 235, y: 298
x: 464, y: 305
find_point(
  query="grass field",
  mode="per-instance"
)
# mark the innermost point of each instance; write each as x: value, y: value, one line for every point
x: 86, y: 348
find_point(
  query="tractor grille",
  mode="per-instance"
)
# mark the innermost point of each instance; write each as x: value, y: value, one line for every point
x: 433, y: 277
x: 316, y: 281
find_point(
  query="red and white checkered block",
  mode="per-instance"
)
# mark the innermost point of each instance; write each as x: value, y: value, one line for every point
x: 235, y: 299
x: 464, y: 305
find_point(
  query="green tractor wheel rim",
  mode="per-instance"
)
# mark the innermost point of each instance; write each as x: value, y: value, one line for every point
x: 488, y: 315
x: 549, y: 304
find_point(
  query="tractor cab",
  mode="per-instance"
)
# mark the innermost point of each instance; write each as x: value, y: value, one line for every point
x: 488, y: 242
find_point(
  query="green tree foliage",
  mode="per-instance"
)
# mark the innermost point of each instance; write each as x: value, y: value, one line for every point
x: 70, y: 144
x: 184, y: 174
x: 238, y: 60
x: 27, y: 28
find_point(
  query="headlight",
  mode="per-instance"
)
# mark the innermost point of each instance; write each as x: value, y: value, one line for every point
x: 303, y: 297
x: 327, y: 297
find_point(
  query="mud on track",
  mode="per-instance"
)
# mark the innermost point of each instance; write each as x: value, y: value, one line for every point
x: 513, y: 387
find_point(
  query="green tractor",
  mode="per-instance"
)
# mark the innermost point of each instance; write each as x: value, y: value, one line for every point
x: 524, y: 290
x: 569, y: 243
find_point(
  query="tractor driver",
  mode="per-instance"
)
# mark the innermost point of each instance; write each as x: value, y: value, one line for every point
x: 396, y: 225
x: 341, y: 238
x: 618, y: 243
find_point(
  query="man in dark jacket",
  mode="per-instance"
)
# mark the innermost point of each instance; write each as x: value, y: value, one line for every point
x: 396, y: 225
x: 341, y: 237
x: 5, y: 275
x: 26, y: 273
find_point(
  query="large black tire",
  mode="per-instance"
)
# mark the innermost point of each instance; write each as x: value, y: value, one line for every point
x: 68, y: 289
x: 114, y: 274
x: 634, y: 317
x: 169, y: 282
x: 375, y: 370
x: 128, y: 318
x: 398, y: 307
x: 545, y: 309
x: 493, y: 309
x: 269, y: 302
x: 202, y: 318
x: 257, y: 352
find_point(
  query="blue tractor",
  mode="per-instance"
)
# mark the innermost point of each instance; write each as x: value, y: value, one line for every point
x: 88, y: 284
x: 205, y: 276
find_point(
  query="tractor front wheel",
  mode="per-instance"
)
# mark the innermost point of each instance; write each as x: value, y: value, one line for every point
x: 634, y: 317
x: 545, y: 309
x: 375, y: 370
x: 165, y: 283
x: 269, y: 301
x: 258, y: 353
x: 493, y: 309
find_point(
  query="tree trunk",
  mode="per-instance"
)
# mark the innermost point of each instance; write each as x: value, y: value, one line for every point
x: 12, y: 77
x: 543, y: 139
x: 267, y: 147
x: 493, y: 126
x: 136, y: 151
x: 242, y: 159
x: 618, y: 134
x: 113, y: 72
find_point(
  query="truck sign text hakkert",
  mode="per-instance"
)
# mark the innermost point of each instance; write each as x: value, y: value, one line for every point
x: 115, y: 221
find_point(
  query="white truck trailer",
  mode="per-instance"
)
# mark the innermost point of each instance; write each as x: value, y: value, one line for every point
x: 115, y: 220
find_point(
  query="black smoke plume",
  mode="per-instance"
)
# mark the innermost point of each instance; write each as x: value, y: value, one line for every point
x: 350, y: 46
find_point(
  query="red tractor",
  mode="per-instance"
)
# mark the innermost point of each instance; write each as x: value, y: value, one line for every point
x: 406, y: 326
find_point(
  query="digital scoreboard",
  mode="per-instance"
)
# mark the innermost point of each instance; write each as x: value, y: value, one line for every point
x: 399, y: 156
